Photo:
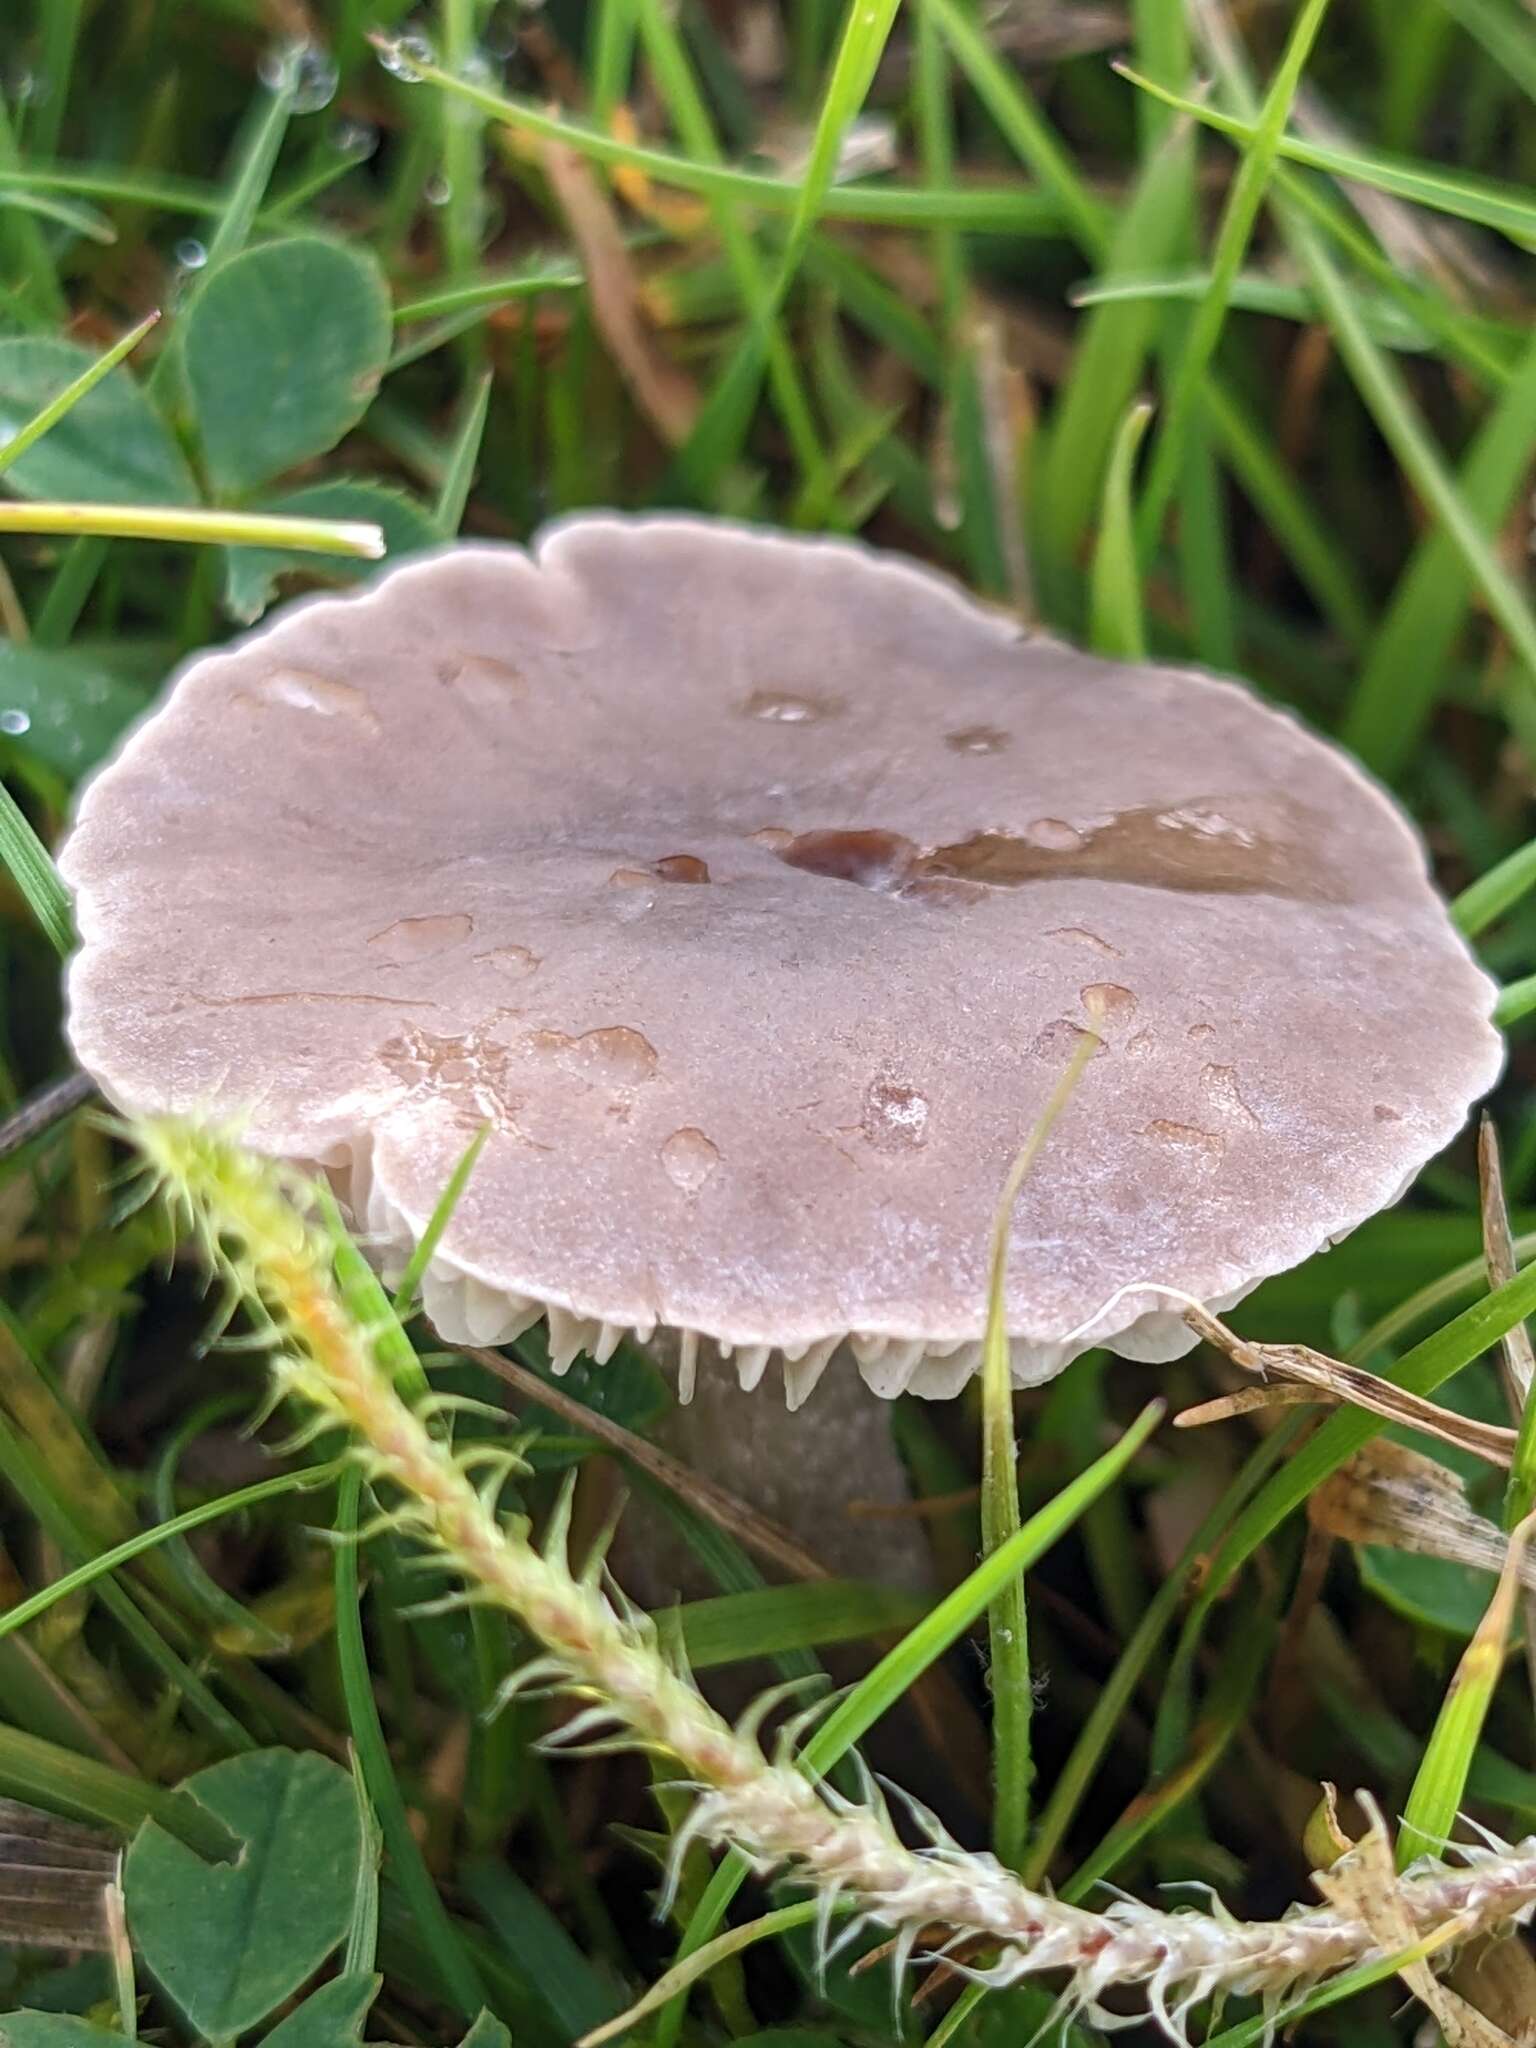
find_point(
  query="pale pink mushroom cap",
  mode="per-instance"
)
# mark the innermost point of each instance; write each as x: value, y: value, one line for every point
x: 755, y: 890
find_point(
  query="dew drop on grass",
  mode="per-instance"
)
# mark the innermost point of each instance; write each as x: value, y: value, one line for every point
x: 15, y: 723
x: 355, y: 139
x: 190, y: 253
x: 439, y: 190
x: 404, y: 57
x: 306, y: 70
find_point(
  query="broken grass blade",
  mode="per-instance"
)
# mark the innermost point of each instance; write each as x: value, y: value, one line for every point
x: 72, y: 393
x: 358, y: 538
x: 1440, y: 1785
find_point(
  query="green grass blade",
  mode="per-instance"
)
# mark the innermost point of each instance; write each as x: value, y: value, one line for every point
x: 1023, y: 126
x: 448, y: 512
x: 1239, y: 217
x: 1487, y: 899
x: 359, y: 539
x: 178, y: 1525
x: 1517, y: 999
x: 438, y: 1221
x: 722, y: 424
x: 1115, y: 1695
x: 362, y: 1945
x: 876, y: 1693
x: 1244, y: 1660
x: 558, y: 274
x: 677, y: 1981
x: 1387, y: 398
x: 1108, y: 361
x: 26, y: 858
x: 1115, y: 622
x: 866, y: 30
x: 1405, y: 669
x: 975, y: 210
x: 1504, y: 208
x: 716, y: 436
x: 1250, y: 292
x: 1505, y: 33
x: 264, y: 138
x: 438, y: 1934
x: 72, y: 393
x: 1439, y: 1786
x: 1007, y: 1615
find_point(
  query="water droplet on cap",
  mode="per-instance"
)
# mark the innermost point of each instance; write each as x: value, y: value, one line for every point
x: 511, y: 959
x: 1222, y: 1090
x: 1060, y: 1039
x: 1055, y: 835
x: 1205, y: 1148
x: 302, y: 691
x: 977, y: 739
x: 784, y: 707
x: 1108, y: 1003
x: 614, y: 1054
x: 417, y: 938
x: 689, y: 1158
x: 895, y: 1116
x: 682, y: 867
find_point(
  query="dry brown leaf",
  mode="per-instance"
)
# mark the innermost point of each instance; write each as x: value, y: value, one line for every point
x: 1389, y: 1494
x: 1498, y: 1977
x: 1364, y: 1882
x: 663, y: 392
x: 1334, y: 1381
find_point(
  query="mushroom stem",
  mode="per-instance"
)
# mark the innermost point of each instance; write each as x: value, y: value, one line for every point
x: 809, y: 1471
x: 255, y: 1222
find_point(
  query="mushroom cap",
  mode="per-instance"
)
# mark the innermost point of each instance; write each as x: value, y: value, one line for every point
x: 756, y: 890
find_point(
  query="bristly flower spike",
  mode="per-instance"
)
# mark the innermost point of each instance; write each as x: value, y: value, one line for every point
x: 255, y: 1221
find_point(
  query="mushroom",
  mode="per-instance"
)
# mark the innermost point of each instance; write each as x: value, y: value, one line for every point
x: 754, y: 890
